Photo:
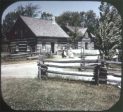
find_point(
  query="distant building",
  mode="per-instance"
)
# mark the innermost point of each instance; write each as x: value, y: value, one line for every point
x: 35, y: 35
x: 85, y: 37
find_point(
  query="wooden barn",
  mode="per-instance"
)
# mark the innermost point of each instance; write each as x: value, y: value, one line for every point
x: 85, y: 38
x: 32, y: 34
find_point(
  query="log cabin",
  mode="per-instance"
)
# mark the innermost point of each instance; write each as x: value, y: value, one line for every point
x: 33, y: 34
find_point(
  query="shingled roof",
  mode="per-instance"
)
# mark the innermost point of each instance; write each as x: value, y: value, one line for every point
x: 44, y: 28
x: 81, y: 31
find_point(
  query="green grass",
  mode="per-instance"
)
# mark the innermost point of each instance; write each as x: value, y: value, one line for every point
x: 56, y: 94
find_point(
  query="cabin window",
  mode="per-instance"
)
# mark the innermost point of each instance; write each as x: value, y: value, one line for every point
x: 86, y: 45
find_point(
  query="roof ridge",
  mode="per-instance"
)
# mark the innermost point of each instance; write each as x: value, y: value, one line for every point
x: 33, y: 18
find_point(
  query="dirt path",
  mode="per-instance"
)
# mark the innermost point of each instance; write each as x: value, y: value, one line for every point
x: 20, y: 70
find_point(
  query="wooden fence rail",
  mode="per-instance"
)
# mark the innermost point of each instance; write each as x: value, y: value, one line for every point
x: 82, y: 61
x: 77, y: 73
x: 72, y: 61
x: 61, y: 66
x: 81, y: 64
x: 70, y: 73
x: 114, y: 62
x: 78, y: 67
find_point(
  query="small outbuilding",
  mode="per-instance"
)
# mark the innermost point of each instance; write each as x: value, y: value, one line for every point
x: 36, y: 35
x: 85, y: 39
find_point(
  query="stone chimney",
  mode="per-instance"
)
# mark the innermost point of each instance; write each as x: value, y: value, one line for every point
x: 53, y: 20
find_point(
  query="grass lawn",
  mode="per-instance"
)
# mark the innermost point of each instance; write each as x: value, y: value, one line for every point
x: 56, y: 94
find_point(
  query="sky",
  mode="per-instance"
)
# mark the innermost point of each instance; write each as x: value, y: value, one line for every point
x: 57, y: 7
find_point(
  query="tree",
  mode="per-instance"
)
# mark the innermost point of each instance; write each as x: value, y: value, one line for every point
x: 91, y: 21
x: 8, y: 22
x: 71, y: 18
x: 29, y: 10
x: 83, y: 19
x: 108, y: 33
x: 46, y: 16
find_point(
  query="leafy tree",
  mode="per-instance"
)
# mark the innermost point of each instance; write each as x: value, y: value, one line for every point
x: 46, y: 16
x: 84, y: 19
x: 29, y: 10
x: 71, y: 18
x: 8, y: 22
x: 108, y: 33
x: 91, y: 21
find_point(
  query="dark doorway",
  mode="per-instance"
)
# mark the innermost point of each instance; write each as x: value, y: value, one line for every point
x: 52, y: 47
x: 86, y: 45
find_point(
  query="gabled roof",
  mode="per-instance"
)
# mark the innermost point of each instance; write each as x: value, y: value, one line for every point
x: 44, y: 28
x: 81, y: 31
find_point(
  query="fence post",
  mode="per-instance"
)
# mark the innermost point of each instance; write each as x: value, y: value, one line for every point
x: 39, y: 72
x: 100, y: 73
x: 103, y: 72
x: 44, y: 71
x: 42, y: 68
x: 40, y: 61
x: 96, y: 74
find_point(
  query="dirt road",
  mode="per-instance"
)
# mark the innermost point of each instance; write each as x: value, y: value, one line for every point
x: 20, y: 70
